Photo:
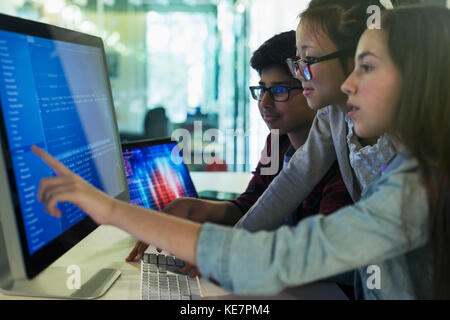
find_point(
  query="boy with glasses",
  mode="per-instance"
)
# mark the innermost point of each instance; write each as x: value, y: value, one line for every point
x: 283, y: 107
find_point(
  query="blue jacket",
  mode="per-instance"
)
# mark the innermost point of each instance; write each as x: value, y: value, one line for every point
x: 384, y: 237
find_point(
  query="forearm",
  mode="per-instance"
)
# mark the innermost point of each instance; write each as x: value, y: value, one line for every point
x: 373, y: 230
x: 319, y: 247
x: 223, y: 212
x: 172, y: 234
x: 200, y: 210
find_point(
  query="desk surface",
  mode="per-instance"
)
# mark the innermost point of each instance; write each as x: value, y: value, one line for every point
x: 222, y: 181
x: 107, y: 247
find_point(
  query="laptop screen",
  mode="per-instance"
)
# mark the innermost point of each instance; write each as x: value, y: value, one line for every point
x: 156, y: 173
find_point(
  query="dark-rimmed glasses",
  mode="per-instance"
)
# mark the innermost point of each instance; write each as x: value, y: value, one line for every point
x: 302, y: 68
x: 278, y: 93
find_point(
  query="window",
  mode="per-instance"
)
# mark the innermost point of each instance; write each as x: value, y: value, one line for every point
x: 174, y: 66
x: 180, y: 65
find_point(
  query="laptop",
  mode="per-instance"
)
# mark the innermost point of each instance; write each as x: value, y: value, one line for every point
x: 156, y: 173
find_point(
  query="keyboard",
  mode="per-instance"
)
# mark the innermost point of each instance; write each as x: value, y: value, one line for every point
x: 161, y: 279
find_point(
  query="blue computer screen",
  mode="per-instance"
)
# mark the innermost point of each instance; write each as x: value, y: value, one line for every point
x: 55, y: 95
x: 156, y: 175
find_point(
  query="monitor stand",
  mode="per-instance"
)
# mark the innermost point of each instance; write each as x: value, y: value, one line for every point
x: 54, y: 282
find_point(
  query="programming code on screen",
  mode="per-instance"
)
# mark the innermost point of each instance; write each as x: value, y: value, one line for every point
x: 54, y: 95
x: 154, y: 178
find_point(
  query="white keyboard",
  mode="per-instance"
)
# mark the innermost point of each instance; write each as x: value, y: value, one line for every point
x: 161, y: 279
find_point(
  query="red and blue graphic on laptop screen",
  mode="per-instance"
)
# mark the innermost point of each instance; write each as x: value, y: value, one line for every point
x: 156, y: 175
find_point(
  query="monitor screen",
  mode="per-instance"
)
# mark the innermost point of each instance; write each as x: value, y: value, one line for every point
x: 156, y: 174
x: 55, y: 94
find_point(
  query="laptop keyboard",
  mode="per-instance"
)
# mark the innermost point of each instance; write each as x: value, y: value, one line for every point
x: 161, y: 279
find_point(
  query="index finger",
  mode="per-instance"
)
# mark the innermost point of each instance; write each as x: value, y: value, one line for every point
x: 52, y: 162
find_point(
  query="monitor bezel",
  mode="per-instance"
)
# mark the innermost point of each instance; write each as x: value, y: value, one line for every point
x: 139, y: 144
x: 41, y: 259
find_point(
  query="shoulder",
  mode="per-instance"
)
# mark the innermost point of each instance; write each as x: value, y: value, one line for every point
x: 331, y: 112
x: 332, y: 119
x: 400, y: 185
x: 400, y: 194
x: 402, y: 165
x: 283, y: 144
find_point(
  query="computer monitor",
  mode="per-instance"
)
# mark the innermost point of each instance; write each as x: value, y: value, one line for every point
x: 54, y: 93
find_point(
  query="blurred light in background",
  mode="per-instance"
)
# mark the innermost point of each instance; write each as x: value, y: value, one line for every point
x: 179, y: 61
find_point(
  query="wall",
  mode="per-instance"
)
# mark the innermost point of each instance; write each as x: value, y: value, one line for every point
x: 6, y: 7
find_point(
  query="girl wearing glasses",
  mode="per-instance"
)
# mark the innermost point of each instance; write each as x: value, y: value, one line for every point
x: 400, y: 226
x: 327, y: 36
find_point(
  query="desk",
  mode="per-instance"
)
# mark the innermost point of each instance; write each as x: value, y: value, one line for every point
x: 221, y: 181
x: 107, y: 247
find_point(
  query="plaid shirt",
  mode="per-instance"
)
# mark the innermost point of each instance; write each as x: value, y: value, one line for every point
x: 329, y: 194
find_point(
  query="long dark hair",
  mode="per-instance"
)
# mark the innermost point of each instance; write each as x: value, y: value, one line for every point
x: 418, y: 39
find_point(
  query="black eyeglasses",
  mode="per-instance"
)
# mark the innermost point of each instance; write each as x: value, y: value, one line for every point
x: 300, y: 67
x: 278, y: 93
